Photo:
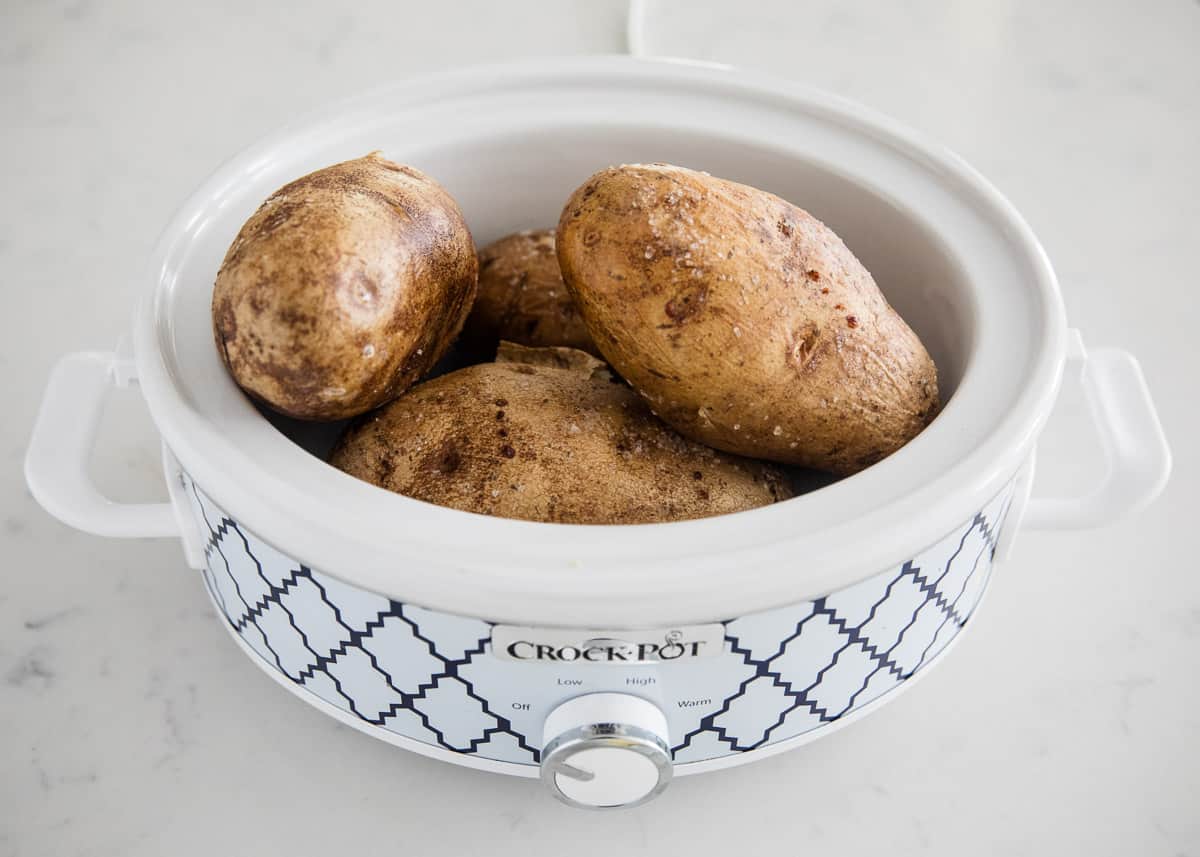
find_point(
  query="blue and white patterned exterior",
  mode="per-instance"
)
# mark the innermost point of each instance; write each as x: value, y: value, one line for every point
x: 431, y: 676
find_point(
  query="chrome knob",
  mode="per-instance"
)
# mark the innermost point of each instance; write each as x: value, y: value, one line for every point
x: 606, y: 750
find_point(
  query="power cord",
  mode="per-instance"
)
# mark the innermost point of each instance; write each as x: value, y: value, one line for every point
x: 635, y: 28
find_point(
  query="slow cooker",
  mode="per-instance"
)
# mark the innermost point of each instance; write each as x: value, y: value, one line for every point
x: 607, y: 659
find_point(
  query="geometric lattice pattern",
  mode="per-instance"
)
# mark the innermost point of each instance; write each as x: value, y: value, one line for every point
x: 430, y: 676
x: 847, y: 649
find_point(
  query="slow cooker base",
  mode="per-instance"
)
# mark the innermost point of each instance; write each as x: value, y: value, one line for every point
x: 429, y: 681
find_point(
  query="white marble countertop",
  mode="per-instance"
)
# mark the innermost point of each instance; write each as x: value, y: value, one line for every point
x: 1066, y: 722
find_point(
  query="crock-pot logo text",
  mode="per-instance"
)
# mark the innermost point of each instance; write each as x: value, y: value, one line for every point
x: 554, y: 645
x: 672, y: 647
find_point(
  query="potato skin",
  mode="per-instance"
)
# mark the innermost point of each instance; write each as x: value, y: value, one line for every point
x: 344, y: 288
x: 551, y: 437
x: 743, y: 320
x: 522, y: 298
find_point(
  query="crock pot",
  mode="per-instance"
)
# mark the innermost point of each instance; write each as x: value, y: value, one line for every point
x: 606, y: 659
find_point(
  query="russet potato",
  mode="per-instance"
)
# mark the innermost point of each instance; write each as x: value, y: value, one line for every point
x: 547, y: 435
x: 742, y: 320
x: 343, y: 289
x: 522, y: 298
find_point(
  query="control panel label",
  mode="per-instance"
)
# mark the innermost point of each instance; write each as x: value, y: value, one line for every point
x: 573, y: 646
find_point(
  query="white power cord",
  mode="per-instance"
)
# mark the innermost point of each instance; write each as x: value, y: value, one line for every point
x: 635, y: 28
x: 635, y: 38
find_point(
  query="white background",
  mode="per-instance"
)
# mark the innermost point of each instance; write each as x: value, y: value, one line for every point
x: 1067, y: 721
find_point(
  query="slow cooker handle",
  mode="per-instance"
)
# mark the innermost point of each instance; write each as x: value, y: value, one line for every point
x: 1139, y: 459
x: 56, y: 464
